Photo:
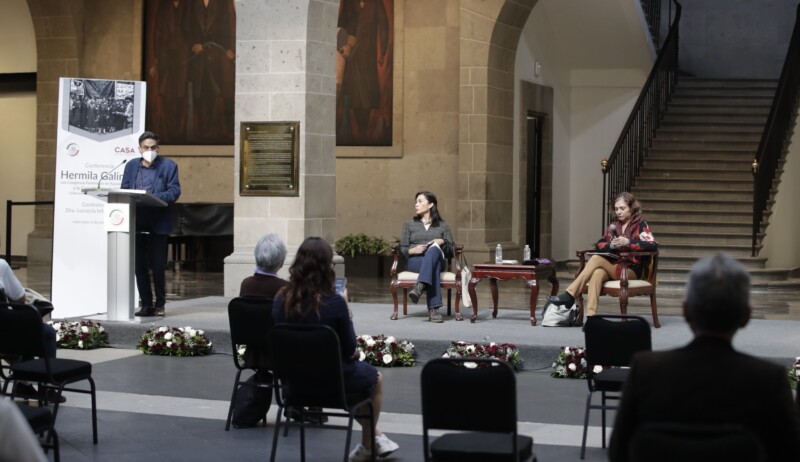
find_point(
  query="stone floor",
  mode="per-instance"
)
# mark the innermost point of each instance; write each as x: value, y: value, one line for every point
x: 157, y: 408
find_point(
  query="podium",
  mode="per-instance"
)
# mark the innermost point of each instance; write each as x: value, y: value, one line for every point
x: 121, y: 247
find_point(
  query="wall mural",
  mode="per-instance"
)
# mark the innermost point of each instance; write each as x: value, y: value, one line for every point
x: 365, y: 45
x: 189, y: 67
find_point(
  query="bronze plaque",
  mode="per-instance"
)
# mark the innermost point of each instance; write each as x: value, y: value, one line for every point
x: 270, y: 159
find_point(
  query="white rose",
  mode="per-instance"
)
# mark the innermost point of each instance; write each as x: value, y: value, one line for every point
x: 361, y: 355
x: 200, y: 332
x: 597, y: 369
x: 470, y: 365
x: 191, y: 332
x: 492, y: 344
x: 387, y: 359
x: 370, y: 342
x: 101, y: 329
x: 445, y: 355
x: 182, y: 328
x: 80, y: 343
x: 572, y: 367
x: 169, y: 344
x: 59, y: 336
x: 390, y: 340
x: 168, y: 336
x: 85, y: 329
x: 150, y: 343
x: 566, y: 350
x: 471, y: 349
x: 162, y: 329
x: 241, y: 350
x: 57, y: 326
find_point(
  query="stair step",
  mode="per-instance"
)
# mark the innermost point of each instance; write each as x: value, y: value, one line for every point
x: 697, y: 135
x: 737, y: 172
x: 702, y: 181
x: 724, y: 156
x: 687, y: 227
x: 715, y: 129
x: 719, y: 109
x: 681, y: 99
x: 670, y: 259
x: 657, y: 167
x: 751, y: 146
x: 717, y: 240
x: 757, y: 276
x: 665, y: 202
x: 697, y: 82
x: 715, y: 119
x: 698, y: 216
x: 715, y: 195
x: 702, y: 250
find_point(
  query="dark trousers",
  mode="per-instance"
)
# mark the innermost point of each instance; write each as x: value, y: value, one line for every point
x: 151, y: 255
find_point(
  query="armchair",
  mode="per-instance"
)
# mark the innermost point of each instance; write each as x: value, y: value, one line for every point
x: 624, y: 288
x: 406, y: 279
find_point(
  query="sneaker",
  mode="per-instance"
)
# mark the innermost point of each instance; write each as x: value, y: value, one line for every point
x: 435, y: 316
x: 145, y: 312
x: 385, y: 446
x: 360, y: 453
x: 160, y: 311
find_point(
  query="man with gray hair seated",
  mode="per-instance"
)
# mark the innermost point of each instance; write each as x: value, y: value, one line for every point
x: 270, y: 253
x: 707, y: 381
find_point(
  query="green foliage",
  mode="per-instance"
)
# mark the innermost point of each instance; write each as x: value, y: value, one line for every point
x: 361, y: 244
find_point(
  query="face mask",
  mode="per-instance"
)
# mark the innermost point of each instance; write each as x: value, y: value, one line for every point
x: 150, y: 156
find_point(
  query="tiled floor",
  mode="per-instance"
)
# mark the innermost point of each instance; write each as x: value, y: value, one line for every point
x: 156, y: 408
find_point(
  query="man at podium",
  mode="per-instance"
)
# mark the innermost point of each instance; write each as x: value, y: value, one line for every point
x: 158, y: 176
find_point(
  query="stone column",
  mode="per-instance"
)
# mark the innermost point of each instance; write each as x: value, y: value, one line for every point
x: 285, y: 71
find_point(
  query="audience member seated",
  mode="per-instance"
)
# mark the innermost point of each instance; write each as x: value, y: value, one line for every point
x: 310, y: 299
x: 15, y: 293
x: 270, y: 253
x: 708, y: 381
x: 629, y: 232
x: 425, y: 243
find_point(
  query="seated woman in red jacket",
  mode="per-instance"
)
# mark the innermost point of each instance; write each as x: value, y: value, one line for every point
x: 628, y: 232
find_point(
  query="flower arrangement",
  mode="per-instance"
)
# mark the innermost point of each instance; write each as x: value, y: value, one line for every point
x: 383, y: 351
x: 794, y: 372
x: 83, y: 335
x: 507, y: 352
x: 570, y: 364
x: 174, y: 341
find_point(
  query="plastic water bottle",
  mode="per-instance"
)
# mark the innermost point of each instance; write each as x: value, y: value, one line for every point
x: 498, y: 255
x: 526, y: 254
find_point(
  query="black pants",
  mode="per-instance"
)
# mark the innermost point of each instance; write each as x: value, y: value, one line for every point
x: 151, y: 255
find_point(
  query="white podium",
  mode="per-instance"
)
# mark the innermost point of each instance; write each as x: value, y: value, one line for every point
x: 121, y: 247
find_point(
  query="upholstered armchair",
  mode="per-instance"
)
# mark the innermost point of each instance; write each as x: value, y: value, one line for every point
x: 405, y: 280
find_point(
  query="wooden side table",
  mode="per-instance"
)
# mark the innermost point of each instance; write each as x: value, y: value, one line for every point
x: 532, y: 274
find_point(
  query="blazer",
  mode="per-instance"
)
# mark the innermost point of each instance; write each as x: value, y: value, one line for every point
x: 167, y: 187
x: 708, y: 381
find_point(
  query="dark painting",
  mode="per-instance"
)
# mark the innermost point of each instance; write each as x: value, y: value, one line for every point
x: 189, y: 66
x: 364, y: 62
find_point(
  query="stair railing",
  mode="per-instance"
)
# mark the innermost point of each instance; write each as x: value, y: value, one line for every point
x: 625, y: 160
x: 776, y: 132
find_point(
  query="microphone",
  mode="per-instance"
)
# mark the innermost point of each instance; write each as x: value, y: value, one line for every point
x: 104, y: 175
x: 613, y: 228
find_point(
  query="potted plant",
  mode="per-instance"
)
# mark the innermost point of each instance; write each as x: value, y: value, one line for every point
x: 364, y: 256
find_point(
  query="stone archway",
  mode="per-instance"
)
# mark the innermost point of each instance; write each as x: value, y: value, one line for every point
x: 490, y: 33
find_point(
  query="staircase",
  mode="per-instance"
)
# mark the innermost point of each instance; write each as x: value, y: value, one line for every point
x: 696, y: 185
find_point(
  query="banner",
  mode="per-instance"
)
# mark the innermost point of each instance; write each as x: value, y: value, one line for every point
x: 99, y: 123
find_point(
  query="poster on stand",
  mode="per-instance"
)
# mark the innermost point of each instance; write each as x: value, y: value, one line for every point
x: 99, y: 123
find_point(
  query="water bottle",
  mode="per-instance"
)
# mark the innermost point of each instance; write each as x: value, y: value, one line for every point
x: 498, y: 255
x: 526, y: 254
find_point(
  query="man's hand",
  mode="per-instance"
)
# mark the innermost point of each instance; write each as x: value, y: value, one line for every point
x: 197, y: 48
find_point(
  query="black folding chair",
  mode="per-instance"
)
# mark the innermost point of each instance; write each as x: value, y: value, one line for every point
x: 21, y: 334
x: 250, y: 321
x: 41, y: 421
x: 611, y: 342
x: 488, y: 430
x: 307, y: 362
x: 691, y: 442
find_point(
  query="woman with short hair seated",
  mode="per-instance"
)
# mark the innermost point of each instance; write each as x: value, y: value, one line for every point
x: 629, y: 232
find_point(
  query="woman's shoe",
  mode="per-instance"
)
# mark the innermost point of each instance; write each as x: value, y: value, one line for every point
x: 416, y: 292
x: 561, y: 299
